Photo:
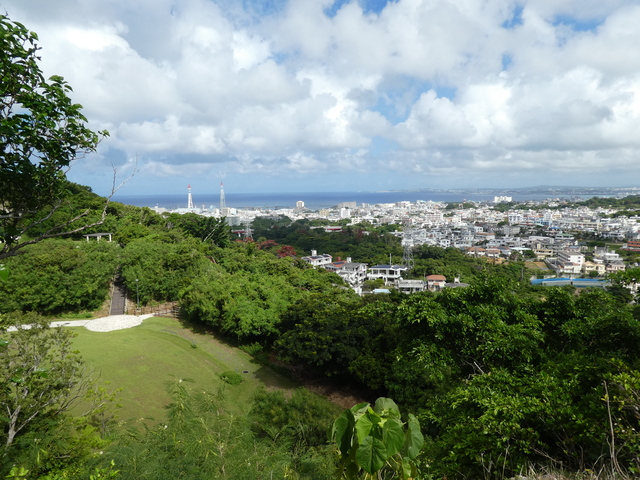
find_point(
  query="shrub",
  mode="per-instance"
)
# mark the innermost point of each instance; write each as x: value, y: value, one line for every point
x: 231, y: 377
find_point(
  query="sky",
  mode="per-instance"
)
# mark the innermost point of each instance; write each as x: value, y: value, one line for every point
x: 360, y: 95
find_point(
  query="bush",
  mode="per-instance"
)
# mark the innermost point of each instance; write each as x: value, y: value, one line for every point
x: 231, y: 377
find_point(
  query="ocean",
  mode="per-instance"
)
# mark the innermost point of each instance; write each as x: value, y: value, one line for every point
x: 312, y: 200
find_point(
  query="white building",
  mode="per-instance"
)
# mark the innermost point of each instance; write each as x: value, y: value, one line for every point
x: 514, y: 217
x: 571, y: 257
x: 411, y: 286
x: 389, y: 273
x: 435, y: 283
x: 353, y: 273
x: 318, y: 260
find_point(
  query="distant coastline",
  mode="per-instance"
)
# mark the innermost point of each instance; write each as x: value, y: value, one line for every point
x: 318, y: 200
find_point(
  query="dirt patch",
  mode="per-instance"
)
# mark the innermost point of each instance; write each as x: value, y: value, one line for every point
x: 342, y: 398
x: 536, y: 265
x: 345, y: 396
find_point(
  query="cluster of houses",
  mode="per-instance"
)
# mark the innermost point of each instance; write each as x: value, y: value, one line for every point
x: 561, y: 253
x: 356, y: 273
x: 542, y: 231
x: 483, y: 231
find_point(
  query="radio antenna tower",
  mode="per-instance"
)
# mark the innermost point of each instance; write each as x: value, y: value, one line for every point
x: 407, y: 243
x: 248, y: 234
x: 189, y: 200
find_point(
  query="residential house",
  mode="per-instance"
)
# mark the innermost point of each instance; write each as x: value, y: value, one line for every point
x: 411, y: 286
x: 318, y: 260
x: 615, y: 267
x: 435, y: 283
x: 588, y: 267
x: 389, y: 273
x: 354, y: 273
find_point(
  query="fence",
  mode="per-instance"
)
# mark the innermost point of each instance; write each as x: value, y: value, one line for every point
x: 168, y: 309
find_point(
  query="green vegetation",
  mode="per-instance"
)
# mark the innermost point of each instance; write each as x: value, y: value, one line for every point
x: 368, y: 246
x: 200, y: 439
x: 141, y: 360
x: 59, y: 276
x: 41, y: 132
x: 40, y: 375
x: 495, y: 379
x: 230, y: 377
x: 374, y: 440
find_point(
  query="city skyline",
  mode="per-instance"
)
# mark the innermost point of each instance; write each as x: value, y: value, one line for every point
x: 279, y: 95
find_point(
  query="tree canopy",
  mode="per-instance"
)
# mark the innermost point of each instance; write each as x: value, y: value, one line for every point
x: 41, y: 132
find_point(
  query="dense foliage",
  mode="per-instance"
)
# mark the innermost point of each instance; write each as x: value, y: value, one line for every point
x: 59, y: 276
x: 363, y: 245
x: 279, y: 439
x: 41, y: 132
x: 500, y: 374
x: 499, y: 380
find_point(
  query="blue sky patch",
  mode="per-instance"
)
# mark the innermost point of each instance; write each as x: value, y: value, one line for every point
x: 333, y: 9
x: 516, y: 18
x: 589, y: 25
x: 402, y: 93
x: 264, y: 7
x: 506, y: 61
x: 368, y: 6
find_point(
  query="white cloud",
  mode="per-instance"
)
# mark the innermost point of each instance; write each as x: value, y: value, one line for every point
x: 426, y: 90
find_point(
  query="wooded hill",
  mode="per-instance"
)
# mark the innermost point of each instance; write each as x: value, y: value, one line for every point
x: 501, y: 375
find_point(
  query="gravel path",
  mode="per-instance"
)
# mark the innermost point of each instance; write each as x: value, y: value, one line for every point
x: 104, y: 324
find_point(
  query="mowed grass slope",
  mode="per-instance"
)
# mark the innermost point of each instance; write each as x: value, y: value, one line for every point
x: 142, y: 359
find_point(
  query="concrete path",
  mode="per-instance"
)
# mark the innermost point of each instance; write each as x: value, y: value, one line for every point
x: 104, y: 324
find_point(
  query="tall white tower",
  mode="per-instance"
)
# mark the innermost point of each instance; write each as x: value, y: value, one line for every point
x: 223, y: 204
x: 190, y: 199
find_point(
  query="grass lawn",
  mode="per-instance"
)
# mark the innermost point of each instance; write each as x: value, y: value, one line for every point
x: 141, y: 360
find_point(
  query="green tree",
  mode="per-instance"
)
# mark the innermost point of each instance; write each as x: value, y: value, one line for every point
x: 161, y: 269
x: 208, y: 229
x: 57, y: 276
x: 40, y: 373
x: 41, y: 132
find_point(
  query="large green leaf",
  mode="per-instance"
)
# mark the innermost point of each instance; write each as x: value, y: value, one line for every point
x: 371, y: 454
x: 415, y: 439
x: 359, y: 409
x: 393, y: 436
x: 342, y: 431
x: 386, y: 404
x: 365, y: 423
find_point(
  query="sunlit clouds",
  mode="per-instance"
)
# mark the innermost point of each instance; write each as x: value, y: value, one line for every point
x: 364, y: 95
